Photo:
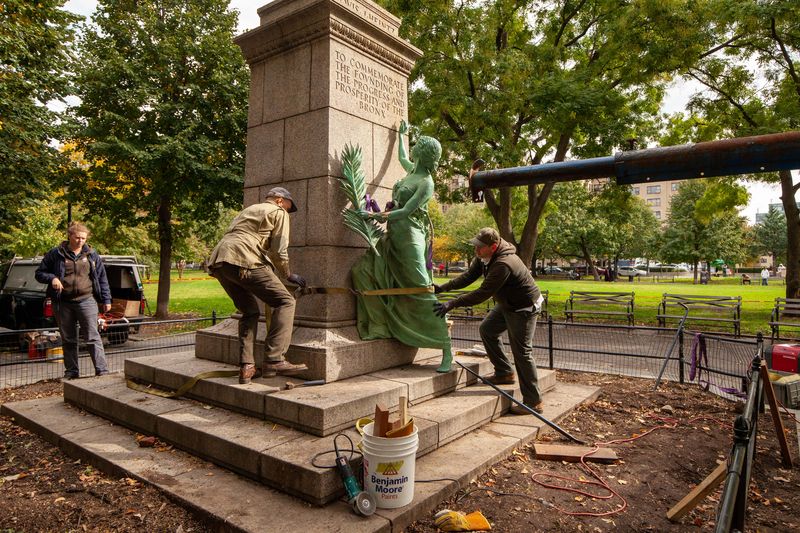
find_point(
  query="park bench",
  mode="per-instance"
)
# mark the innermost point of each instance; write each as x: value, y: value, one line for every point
x: 728, y: 309
x: 614, y: 304
x: 486, y: 306
x: 786, y: 313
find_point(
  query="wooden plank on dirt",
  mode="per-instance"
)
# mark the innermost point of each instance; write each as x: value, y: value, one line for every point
x: 776, y: 417
x: 697, y: 494
x: 573, y: 454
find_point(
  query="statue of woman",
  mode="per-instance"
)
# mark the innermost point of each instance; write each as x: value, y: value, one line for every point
x: 401, y: 260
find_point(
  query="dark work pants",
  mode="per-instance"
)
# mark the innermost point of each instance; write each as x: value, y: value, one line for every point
x: 71, y: 315
x: 520, y: 326
x: 244, y: 285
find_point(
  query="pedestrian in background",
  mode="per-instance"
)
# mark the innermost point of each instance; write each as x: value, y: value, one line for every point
x: 765, y: 276
x: 77, y: 283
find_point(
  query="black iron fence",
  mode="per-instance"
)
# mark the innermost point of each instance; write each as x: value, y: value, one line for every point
x: 732, y: 508
x: 31, y: 355
x: 717, y: 362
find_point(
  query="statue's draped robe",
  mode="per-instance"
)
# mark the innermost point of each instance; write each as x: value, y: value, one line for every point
x: 402, y: 263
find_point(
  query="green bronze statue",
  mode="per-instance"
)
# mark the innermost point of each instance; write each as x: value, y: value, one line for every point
x: 397, y: 258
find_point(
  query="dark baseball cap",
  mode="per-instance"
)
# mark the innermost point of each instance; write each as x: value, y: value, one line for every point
x: 485, y: 237
x: 280, y: 192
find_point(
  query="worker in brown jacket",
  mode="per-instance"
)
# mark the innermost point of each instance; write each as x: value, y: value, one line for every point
x: 519, y: 300
x: 247, y: 262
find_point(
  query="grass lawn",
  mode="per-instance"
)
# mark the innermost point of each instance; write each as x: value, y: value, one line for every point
x: 200, y: 294
x: 757, y: 301
x: 197, y: 293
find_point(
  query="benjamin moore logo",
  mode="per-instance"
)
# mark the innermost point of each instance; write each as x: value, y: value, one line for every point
x: 389, y: 469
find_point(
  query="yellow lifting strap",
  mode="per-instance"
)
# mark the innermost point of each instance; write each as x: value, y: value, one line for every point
x: 303, y: 291
x: 186, y: 387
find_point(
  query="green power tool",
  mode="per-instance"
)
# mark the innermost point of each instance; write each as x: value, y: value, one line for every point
x: 363, y: 502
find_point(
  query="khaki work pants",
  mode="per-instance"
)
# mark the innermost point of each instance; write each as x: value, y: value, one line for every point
x: 244, y: 285
x: 521, y: 326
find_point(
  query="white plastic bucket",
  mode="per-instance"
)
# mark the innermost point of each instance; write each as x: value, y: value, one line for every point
x: 389, y: 466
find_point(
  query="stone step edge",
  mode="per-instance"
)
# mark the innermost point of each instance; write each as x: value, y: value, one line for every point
x: 165, y: 377
x: 147, y: 422
x: 281, y: 511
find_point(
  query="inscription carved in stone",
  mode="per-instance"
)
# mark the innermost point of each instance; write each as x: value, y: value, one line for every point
x: 371, y: 16
x: 376, y: 92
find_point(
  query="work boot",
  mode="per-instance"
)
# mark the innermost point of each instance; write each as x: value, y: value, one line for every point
x: 248, y: 372
x: 519, y: 410
x: 283, y: 368
x: 505, y: 379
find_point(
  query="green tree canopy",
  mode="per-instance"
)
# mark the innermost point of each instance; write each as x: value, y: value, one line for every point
x: 35, y: 38
x: 523, y: 82
x: 751, y: 74
x: 163, y: 111
x: 694, y: 233
x: 770, y: 236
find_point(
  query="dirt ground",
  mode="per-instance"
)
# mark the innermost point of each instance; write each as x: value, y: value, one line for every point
x: 41, y: 489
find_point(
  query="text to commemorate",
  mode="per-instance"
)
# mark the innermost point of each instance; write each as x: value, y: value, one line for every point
x: 372, y: 89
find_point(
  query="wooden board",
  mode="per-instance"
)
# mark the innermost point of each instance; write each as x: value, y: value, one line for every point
x: 403, y: 410
x: 776, y: 417
x: 573, y: 454
x: 381, y: 421
x: 697, y: 494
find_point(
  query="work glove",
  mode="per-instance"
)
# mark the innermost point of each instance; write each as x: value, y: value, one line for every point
x: 448, y: 520
x: 442, y: 308
x: 297, y: 279
x: 437, y: 288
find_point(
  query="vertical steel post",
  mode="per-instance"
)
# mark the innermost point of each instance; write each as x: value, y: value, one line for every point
x: 213, y: 318
x: 550, y: 341
x: 681, y: 360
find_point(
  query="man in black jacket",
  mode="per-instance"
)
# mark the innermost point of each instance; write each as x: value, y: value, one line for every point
x: 77, y: 283
x: 519, y: 300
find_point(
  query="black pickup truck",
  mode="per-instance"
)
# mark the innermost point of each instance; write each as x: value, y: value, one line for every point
x: 24, y: 305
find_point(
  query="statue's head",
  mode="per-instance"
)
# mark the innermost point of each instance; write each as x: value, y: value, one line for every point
x: 427, y: 152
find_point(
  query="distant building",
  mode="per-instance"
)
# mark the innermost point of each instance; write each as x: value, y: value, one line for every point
x: 777, y: 207
x: 658, y: 196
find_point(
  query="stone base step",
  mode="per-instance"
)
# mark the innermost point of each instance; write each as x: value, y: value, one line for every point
x: 239, y: 504
x: 274, y: 454
x: 331, y: 353
x: 320, y: 410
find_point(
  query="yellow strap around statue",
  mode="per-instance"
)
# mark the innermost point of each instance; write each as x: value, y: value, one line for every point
x: 186, y: 387
x: 303, y: 291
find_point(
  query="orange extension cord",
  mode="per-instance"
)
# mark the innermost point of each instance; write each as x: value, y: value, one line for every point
x: 667, y: 423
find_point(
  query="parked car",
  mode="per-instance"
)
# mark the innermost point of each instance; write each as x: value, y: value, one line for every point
x: 630, y: 271
x: 552, y: 270
x: 24, y: 304
x: 458, y: 266
x: 584, y: 271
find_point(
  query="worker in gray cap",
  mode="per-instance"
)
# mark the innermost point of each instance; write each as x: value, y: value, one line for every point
x: 247, y: 262
x: 519, y: 300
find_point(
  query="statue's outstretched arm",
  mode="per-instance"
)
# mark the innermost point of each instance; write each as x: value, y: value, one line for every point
x: 401, y: 147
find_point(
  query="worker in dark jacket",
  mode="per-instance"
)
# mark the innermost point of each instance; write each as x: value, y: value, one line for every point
x: 518, y: 301
x: 77, y: 283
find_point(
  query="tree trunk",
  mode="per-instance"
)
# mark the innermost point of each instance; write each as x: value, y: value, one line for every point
x: 589, y: 263
x: 165, y: 257
x: 792, y: 235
